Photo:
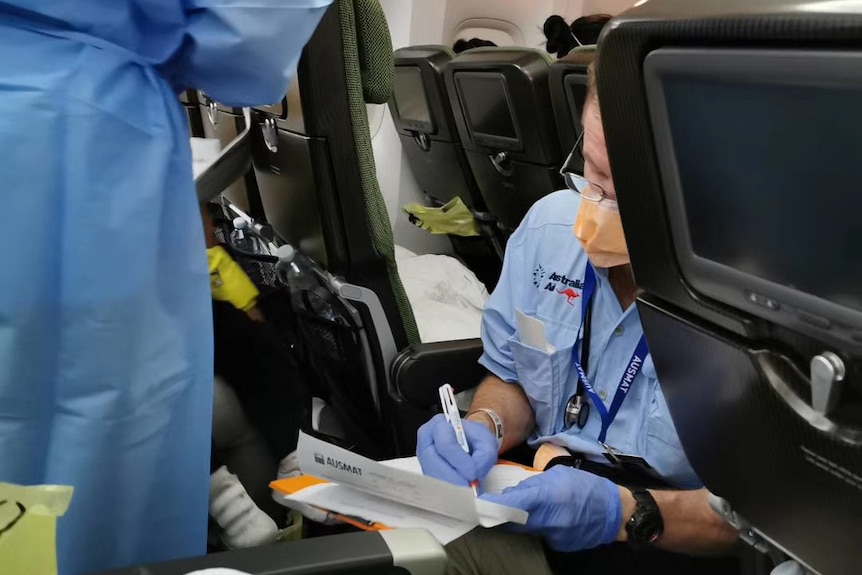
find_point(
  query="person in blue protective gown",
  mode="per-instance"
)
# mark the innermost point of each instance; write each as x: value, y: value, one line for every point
x: 106, y: 367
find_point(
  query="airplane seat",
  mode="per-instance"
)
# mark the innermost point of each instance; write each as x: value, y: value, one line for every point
x: 394, y: 551
x: 502, y: 107
x: 391, y: 552
x: 429, y: 137
x: 313, y: 341
x: 191, y: 106
x: 319, y: 187
x: 420, y: 370
x: 743, y: 229
x: 568, y: 84
x: 224, y: 123
x: 282, y: 158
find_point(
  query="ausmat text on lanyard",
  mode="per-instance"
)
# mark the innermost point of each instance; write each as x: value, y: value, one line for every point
x: 633, y: 368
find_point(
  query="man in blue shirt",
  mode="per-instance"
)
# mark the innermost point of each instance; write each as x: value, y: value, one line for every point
x: 570, y: 373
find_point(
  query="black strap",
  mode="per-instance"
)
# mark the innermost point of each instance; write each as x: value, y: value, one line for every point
x: 627, y: 477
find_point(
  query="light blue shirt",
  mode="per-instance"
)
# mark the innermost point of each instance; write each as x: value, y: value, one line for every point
x: 543, y: 276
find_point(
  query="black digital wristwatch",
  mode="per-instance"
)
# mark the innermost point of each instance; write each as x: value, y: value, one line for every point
x: 646, y: 525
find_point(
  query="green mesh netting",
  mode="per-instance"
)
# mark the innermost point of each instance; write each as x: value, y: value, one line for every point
x: 374, y: 34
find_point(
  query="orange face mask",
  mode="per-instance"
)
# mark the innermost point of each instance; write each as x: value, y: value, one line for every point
x: 600, y: 231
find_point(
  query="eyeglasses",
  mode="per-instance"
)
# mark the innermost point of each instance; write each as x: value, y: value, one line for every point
x: 588, y: 190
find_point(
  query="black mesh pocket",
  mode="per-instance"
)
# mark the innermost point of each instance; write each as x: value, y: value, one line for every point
x: 326, y: 340
x: 337, y: 356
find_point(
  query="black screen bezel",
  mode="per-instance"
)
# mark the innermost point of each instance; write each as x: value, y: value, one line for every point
x: 760, y: 297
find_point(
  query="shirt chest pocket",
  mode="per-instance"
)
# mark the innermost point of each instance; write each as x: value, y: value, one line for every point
x: 545, y: 377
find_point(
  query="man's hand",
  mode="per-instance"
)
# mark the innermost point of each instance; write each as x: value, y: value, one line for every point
x: 572, y: 509
x: 441, y: 456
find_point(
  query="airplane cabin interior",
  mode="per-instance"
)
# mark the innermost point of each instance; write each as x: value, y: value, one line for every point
x: 396, y: 169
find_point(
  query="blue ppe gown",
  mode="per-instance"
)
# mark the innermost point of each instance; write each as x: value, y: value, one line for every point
x: 106, y: 367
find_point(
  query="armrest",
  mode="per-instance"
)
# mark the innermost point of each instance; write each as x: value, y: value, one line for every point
x: 369, y: 552
x: 420, y: 370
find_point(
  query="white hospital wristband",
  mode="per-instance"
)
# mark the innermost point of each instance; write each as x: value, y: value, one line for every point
x: 496, y: 422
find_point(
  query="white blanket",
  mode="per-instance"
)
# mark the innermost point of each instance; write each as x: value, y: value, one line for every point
x: 446, y: 297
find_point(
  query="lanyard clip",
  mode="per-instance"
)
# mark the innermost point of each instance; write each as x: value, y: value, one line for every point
x: 611, y: 453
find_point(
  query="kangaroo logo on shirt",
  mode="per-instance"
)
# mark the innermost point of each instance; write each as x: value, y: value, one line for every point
x: 570, y: 295
x: 557, y: 283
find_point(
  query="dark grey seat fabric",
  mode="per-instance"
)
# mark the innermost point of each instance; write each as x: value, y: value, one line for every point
x: 423, y: 117
x: 502, y: 106
x: 568, y: 85
x: 425, y: 123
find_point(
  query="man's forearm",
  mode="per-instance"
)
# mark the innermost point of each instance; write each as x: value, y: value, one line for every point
x: 508, y: 401
x: 690, y: 524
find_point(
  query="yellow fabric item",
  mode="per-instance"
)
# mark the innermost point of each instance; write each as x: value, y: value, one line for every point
x: 454, y: 218
x: 28, y: 527
x: 228, y: 282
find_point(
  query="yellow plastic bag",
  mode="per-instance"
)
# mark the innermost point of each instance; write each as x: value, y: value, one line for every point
x: 454, y: 218
x: 28, y: 527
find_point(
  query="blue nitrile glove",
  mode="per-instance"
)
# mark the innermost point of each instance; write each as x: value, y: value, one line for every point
x: 441, y: 456
x: 572, y: 509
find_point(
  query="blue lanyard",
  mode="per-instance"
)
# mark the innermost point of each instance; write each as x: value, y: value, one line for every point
x: 633, y: 368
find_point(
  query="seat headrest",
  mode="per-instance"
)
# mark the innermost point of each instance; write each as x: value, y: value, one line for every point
x: 424, y: 52
x: 504, y: 54
x: 374, y: 45
x: 581, y: 56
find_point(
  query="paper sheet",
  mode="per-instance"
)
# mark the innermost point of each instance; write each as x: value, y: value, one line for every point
x: 347, y: 501
x: 396, y: 494
x: 320, y: 459
x: 532, y: 332
x: 499, y: 478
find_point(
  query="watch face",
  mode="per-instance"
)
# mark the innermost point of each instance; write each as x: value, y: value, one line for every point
x: 648, y: 528
x: 646, y: 525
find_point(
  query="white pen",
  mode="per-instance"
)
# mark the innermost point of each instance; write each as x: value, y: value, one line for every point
x: 453, y: 416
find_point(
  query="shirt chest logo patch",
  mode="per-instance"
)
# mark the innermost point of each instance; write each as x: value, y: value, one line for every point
x: 570, y: 295
x: 556, y: 283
